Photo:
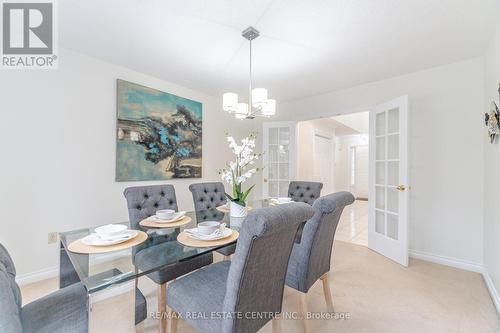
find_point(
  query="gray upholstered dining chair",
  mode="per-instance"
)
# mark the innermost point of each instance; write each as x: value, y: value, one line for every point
x: 310, y: 259
x: 306, y: 192
x: 64, y: 310
x: 142, y: 202
x: 207, y: 197
x: 252, y: 282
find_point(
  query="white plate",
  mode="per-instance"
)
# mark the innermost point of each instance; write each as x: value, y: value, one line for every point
x: 110, y: 230
x: 177, y: 217
x: 193, y: 234
x: 95, y: 240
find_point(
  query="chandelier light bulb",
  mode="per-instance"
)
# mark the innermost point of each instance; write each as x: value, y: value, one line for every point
x: 230, y: 102
x: 259, y: 97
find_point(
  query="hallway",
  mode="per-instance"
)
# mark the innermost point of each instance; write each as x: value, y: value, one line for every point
x: 353, y: 225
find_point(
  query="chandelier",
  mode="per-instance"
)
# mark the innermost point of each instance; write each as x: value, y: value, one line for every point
x: 258, y: 103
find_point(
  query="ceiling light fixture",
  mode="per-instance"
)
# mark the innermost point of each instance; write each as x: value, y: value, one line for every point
x: 259, y: 104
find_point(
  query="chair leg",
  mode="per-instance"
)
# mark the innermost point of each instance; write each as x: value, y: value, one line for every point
x: 303, y: 311
x: 173, y: 322
x: 277, y: 324
x: 136, y: 271
x: 326, y: 290
x: 162, y: 307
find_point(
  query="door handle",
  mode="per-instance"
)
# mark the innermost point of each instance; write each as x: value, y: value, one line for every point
x: 401, y: 188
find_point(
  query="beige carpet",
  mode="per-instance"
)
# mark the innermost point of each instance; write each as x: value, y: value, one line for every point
x: 377, y: 294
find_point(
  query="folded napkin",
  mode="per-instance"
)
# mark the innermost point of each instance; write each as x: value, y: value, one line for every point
x: 115, y: 237
x: 194, y: 232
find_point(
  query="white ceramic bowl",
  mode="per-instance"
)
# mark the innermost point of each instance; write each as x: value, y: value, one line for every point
x: 110, y: 230
x: 208, y: 227
x: 165, y: 214
x: 284, y: 199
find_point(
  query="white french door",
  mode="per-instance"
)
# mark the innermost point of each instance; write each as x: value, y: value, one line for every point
x: 388, y: 181
x: 279, y: 157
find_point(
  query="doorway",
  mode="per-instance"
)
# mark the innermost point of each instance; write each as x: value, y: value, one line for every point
x: 335, y: 152
x: 306, y: 153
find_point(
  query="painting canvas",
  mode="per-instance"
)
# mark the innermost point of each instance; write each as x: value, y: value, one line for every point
x: 159, y: 135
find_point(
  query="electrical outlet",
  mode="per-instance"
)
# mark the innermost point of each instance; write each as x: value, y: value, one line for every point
x: 52, y: 237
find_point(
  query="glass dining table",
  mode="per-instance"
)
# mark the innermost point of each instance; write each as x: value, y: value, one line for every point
x: 110, y: 278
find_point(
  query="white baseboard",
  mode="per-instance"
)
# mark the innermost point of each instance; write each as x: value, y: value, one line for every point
x: 492, y: 290
x: 447, y: 261
x: 465, y: 265
x: 50, y: 272
x: 43, y: 274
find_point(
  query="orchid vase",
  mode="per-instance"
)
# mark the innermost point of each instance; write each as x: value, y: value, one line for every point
x: 239, y: 171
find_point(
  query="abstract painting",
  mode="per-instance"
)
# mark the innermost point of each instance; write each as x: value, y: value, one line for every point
x: 159, y: 135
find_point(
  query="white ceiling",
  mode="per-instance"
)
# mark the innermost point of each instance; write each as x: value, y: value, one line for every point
x: 355, y: 123
x: 307, y: 46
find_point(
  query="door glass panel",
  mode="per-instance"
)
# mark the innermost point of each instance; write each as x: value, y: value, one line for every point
x: 392, y: 226
x: 273, y: 153
x: 284, y: 189
x: 380, y: 173
x: 393, y: 147
x: 392, y: 200
x: 280, y: 141
x: 284, y: 171
x: 380, y: 197
x: 380, y: 222
x: 284, y: 136
x: 273, y: 136
x: 273, y: 171
x: 283, y: 153
x: 393, y: 173
x: 393, y: 121
x: 380, y: 149
x: 380, y: 124
x: 273, y: 188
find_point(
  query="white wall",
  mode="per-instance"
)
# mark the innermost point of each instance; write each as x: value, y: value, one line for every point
x: 305, y: 152
x: 446, y: 155
x: 58, y: 152
x: 491, y: 169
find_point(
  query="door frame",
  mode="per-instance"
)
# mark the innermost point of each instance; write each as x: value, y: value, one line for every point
x: 292, y: 150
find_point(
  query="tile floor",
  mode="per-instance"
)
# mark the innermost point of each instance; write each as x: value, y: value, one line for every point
x: 353, y: 225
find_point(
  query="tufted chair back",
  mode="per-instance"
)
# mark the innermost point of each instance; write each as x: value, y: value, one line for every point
x: 207, y: 195
x: 209, y: 215
x: 10, y: 295
x: 256, y: 276
x: 310, y: 258
x: 306, y: 192
x: 144, y: 201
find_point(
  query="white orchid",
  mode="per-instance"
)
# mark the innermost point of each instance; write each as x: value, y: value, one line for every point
x: 239, y: 171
